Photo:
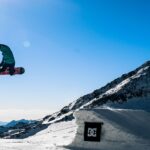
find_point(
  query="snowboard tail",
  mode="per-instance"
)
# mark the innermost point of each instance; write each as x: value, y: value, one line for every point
x: 18, y: 70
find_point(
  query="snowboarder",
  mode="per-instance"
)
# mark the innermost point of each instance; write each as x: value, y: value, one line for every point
x: 8, y: 61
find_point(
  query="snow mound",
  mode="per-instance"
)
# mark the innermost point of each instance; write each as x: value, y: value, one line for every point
x: 121, y: 129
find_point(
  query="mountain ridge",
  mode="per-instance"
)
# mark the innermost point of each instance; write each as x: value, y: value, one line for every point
x: 96, y: 93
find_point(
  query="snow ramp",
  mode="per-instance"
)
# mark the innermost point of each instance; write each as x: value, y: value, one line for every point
x: 120, y: 129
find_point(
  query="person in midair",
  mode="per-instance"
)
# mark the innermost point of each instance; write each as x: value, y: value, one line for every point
x: 8, y: 61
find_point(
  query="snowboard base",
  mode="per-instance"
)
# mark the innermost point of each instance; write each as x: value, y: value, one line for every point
x: 18, y: 70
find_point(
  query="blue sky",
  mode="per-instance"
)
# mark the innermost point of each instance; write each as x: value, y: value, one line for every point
x: 69, y: 48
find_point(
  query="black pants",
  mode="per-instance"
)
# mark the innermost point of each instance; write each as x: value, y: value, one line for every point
x: 10, y: 67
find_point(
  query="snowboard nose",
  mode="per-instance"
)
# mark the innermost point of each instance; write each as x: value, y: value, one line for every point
x: 22, y: 70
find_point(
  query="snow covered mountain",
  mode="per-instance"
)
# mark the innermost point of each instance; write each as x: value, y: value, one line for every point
x: 132, y: 85
x: 15, y: 128
x: 131, y: 89
x: 2, y: 123
x: 15, y: 122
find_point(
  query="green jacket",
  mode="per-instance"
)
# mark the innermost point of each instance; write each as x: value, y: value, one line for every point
x: 8, y: 57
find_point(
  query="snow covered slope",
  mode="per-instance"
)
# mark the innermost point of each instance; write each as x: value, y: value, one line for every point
x: 122, y: 130
x: 52, y: 138
x: 125, y: 89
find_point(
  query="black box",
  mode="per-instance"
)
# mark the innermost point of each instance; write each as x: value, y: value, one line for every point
x: 92, y: 131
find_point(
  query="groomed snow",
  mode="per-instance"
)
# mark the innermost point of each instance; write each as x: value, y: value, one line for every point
x: 122, y: 130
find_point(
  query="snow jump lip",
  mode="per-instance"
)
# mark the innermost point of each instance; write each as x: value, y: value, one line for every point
x: 124, y: 126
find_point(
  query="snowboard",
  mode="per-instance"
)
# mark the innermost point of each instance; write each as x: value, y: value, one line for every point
x: 18, y: 70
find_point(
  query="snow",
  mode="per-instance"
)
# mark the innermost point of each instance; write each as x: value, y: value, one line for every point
x: 118, y: 87
x: 125, y: 84
x: 141, y: 70
x: 53, y: 138
x: 57, y: 118
x: 122, y: 129
x: 126, y: 81
x: 134, y: 103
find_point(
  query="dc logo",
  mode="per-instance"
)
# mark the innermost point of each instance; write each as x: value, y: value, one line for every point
x: 92, y: 132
